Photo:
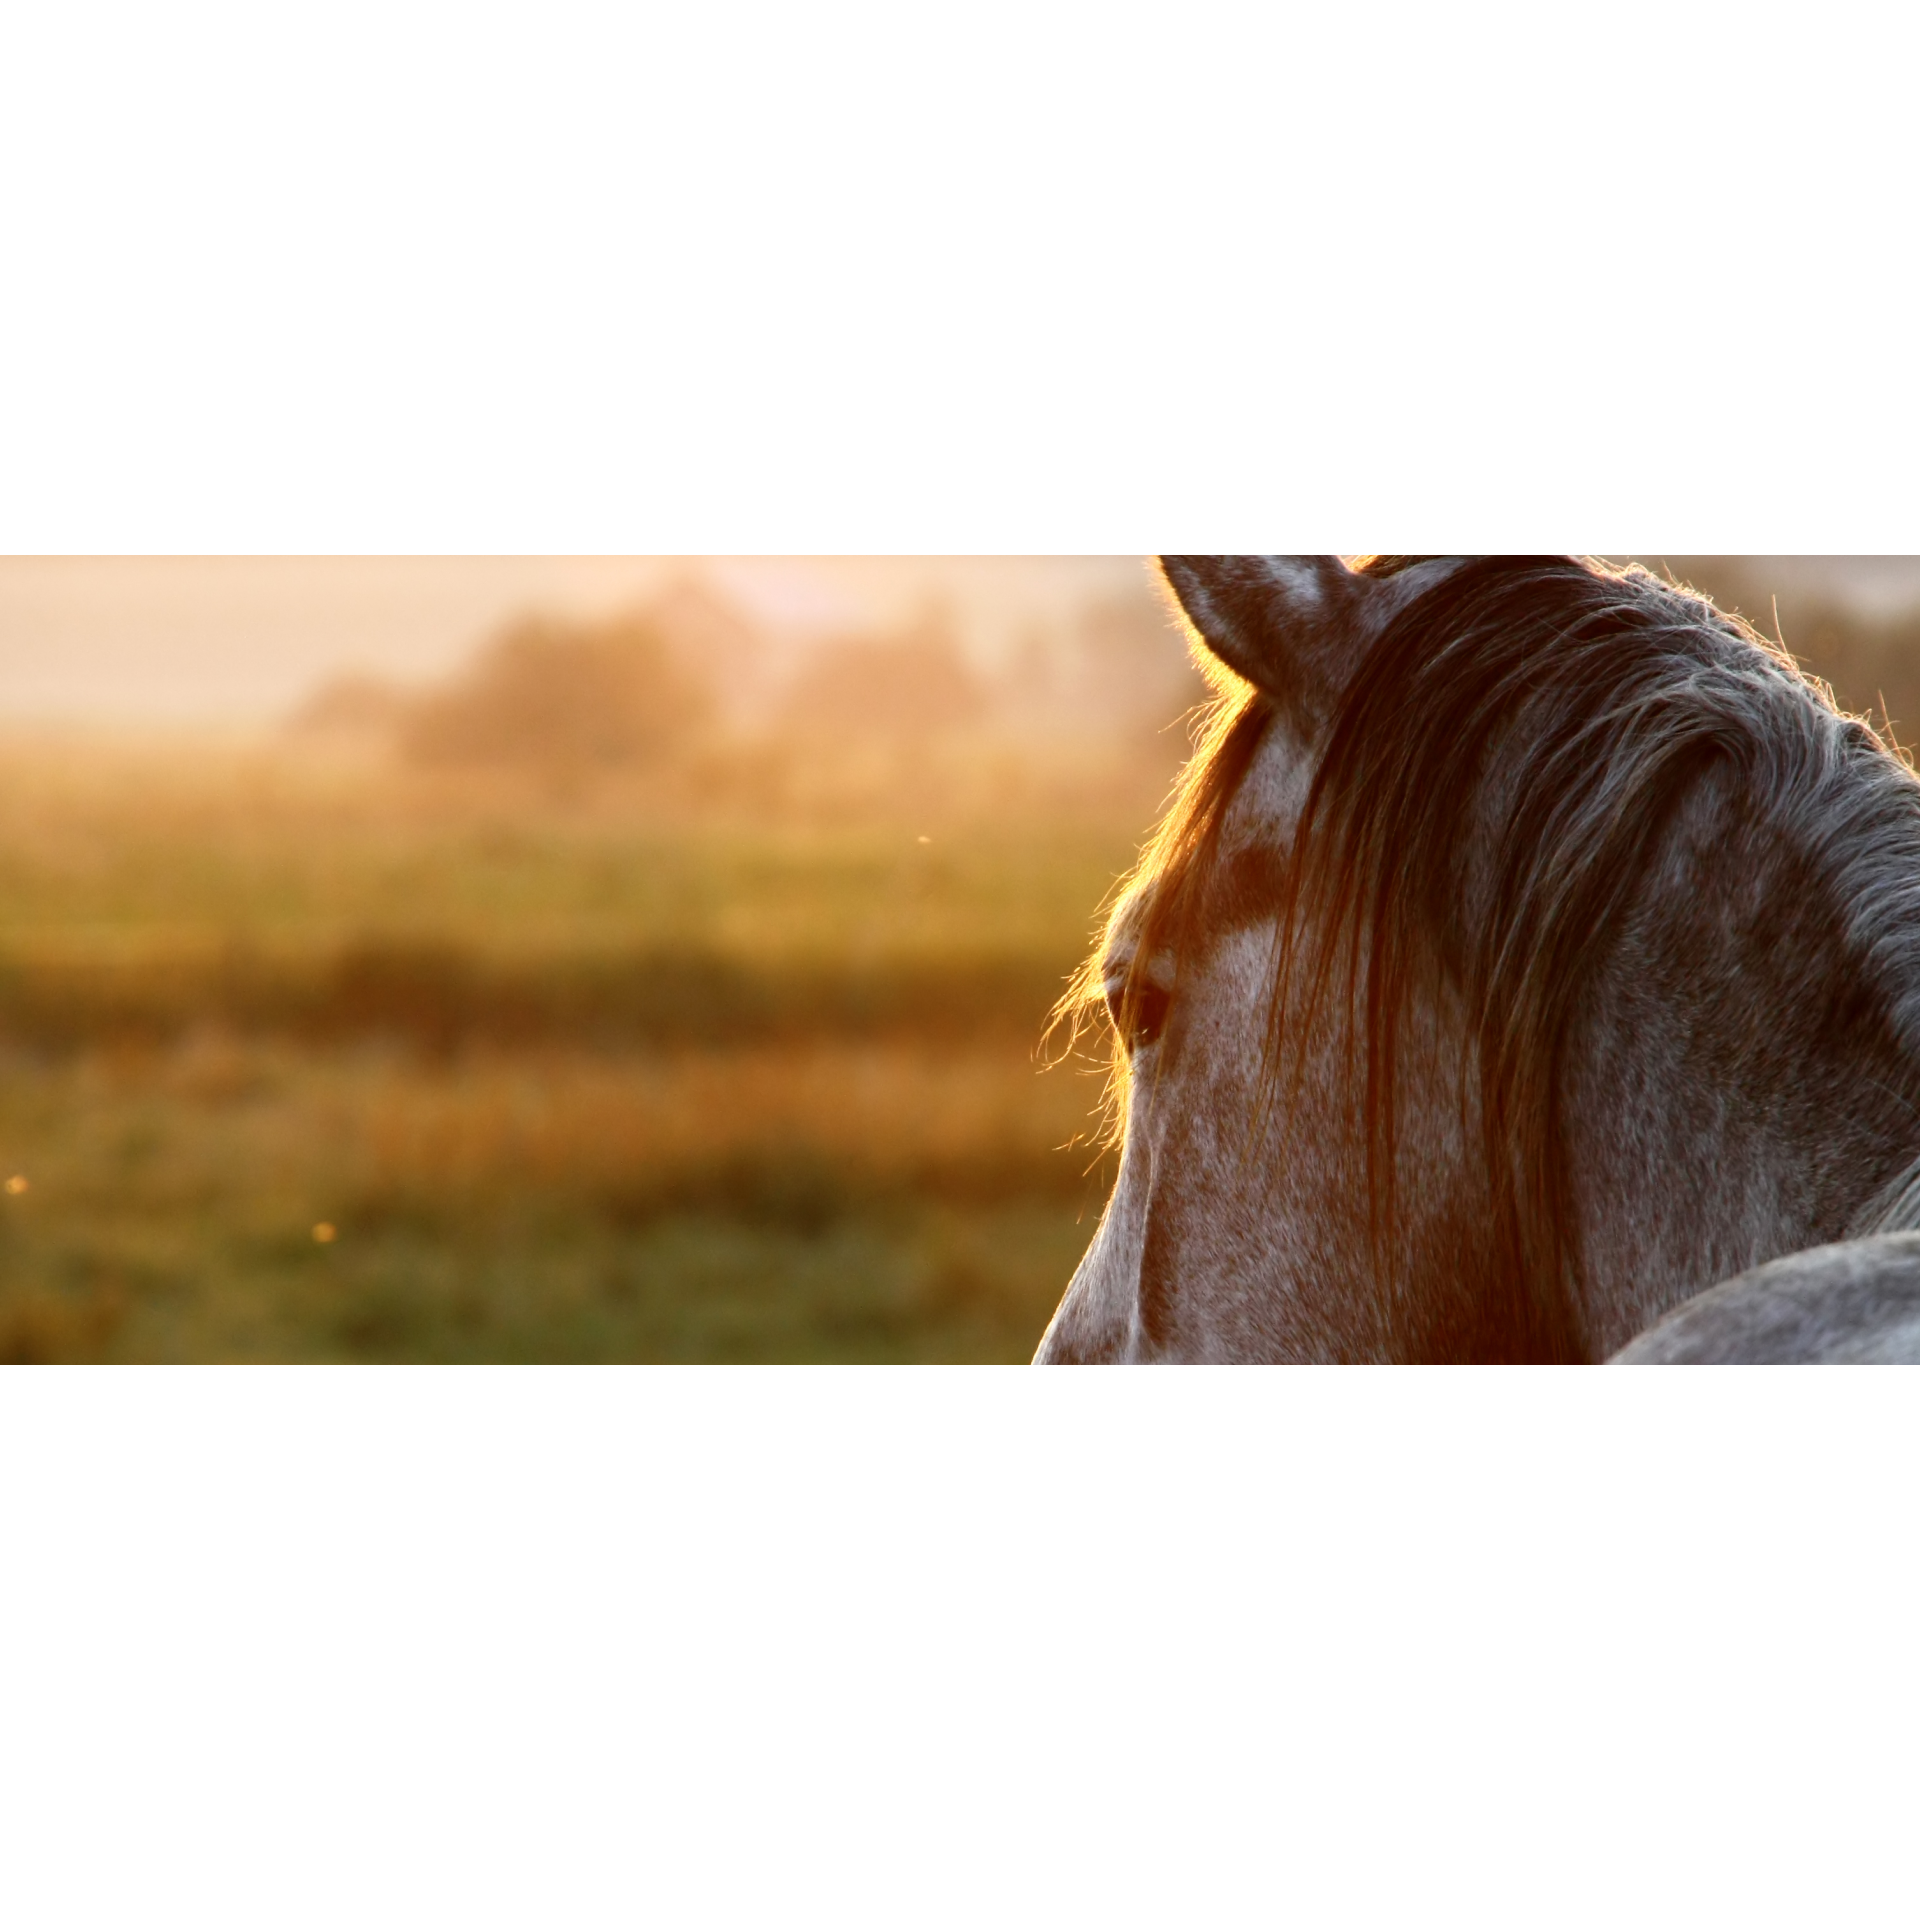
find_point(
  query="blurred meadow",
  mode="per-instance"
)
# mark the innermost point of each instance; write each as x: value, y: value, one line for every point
x: 590, y: 961
x: 655, y: 981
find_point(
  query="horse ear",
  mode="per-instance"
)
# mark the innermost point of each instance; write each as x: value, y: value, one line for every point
x: 1295, y: 625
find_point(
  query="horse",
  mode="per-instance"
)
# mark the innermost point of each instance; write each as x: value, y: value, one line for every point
x: 1526, y: 968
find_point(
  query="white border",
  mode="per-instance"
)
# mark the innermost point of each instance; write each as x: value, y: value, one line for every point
x: 1038, y: 279
x: 947, y: 1642
x: 1035, y: 279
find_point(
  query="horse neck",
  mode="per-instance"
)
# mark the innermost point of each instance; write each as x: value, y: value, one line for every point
x: 1742, y: 1088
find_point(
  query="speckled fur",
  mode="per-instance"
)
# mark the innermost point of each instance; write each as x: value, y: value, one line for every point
x: 1741, y: 1076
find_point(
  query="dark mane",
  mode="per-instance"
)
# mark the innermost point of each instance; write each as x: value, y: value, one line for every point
x: 1552, y: 714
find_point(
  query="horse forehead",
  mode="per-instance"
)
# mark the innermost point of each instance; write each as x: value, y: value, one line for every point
x: 1255, y: 847
x: 1266, y: 806
x: 1250, y: 852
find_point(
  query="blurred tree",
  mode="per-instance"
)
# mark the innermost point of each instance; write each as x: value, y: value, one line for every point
x: 716, y: 641
x: 354, y: 705
x: 906, y: 689
x: 560, y: 696
x: 1134, y: 671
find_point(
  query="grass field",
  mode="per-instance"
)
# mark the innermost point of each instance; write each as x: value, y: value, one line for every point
x: 306, y: 1061
x: 311, y: 1053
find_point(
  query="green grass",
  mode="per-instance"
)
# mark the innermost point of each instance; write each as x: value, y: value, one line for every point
x: 538, y: 1207
x: 114, y: 859
x: 567, y: 1082
x: 918, y: 1283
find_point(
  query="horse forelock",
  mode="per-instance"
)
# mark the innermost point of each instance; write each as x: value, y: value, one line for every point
x: 1495, y: 785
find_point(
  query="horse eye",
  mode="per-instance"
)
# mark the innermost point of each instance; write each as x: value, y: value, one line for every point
x: 1139, y: 1015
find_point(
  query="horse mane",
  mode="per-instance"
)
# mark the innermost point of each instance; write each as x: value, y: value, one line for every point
x: 1569, y: 707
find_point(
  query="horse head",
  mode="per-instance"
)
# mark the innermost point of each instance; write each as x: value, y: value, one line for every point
x: 1528, y: 948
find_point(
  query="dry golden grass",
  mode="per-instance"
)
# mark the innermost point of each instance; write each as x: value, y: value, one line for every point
x: 582, y: 1077
x: 810, y: 1201
x: 886, y: 1117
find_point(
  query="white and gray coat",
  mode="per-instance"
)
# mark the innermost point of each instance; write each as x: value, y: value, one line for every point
x: 1530, y: 971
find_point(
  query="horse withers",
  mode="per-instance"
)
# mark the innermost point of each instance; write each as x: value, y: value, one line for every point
x: 1527, y: 968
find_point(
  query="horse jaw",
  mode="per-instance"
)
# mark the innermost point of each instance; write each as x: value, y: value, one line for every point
x: 1098, y: 1320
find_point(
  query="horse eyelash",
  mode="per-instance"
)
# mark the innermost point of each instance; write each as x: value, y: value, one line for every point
x: 1138, y: 1009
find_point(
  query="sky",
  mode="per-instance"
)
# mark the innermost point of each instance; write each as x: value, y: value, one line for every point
x: 244, y: 640
x: 187, y: 641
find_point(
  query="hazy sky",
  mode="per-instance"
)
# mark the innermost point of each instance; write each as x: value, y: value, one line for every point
x: 244, y: 640
x: 190, y: 640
